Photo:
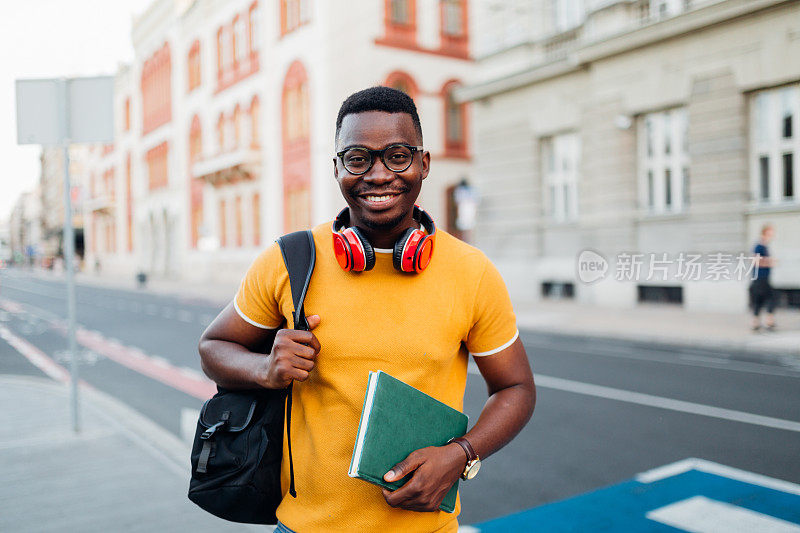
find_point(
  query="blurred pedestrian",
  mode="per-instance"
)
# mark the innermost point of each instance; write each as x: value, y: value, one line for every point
x: 761, y: 293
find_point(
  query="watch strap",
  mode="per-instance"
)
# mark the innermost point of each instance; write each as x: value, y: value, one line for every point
x: 467, y: 447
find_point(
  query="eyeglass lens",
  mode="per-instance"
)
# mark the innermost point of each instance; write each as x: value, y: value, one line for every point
x: 397, y: 158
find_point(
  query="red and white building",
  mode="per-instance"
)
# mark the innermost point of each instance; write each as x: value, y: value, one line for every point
x: 226, y: 118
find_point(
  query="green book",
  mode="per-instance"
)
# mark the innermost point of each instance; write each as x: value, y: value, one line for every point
x: 396, y: 420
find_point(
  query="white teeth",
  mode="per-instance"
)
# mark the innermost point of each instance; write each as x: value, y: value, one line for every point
x: 379, y: 198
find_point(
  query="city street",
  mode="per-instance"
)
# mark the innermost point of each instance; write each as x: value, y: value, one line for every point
x: 605, y: 412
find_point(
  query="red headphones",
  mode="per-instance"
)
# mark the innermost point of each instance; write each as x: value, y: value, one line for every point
x: 412, y: 251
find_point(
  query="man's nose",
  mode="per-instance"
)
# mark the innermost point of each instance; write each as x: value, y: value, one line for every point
x: 379, y: 173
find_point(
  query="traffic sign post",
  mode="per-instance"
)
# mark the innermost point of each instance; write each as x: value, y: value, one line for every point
x: 59, y: 112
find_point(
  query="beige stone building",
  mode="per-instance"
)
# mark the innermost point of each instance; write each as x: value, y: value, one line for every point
x: 225, y: 124
x: 647, y: 132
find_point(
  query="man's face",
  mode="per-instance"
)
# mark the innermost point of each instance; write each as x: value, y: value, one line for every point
x: 767, y: 235
x: 380, y: 200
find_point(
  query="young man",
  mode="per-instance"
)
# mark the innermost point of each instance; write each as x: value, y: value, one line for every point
x: 761, y: 293
x: 418, y: 326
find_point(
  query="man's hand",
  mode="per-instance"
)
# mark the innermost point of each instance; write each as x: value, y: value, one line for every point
x: 435, y: 470
x: 293, y: 356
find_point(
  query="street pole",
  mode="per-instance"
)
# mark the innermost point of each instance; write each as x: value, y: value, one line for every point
x: 69, y: 260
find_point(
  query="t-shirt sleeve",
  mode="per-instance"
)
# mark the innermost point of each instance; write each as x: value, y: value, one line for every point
x: 494, y: 325
x: 256, y: 300
x: 761, y: 250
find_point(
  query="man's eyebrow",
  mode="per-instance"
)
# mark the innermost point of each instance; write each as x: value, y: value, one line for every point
x: 349, y: 146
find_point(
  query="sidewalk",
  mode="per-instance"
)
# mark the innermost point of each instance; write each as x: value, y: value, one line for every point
x: 661, y: 324
x: 120, y: 473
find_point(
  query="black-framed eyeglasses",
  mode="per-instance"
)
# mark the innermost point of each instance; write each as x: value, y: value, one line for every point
x: 396, y: 157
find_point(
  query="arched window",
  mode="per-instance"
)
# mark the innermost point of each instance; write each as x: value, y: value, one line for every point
x: 255, y: 114
x: 194, y: 66
x: 195, y: 140
x: 403, y: 82
x: 221, y: 132
x: 455, y: 122
x: 254, y: 27
x: 237, y: 127
x: 296, y: 149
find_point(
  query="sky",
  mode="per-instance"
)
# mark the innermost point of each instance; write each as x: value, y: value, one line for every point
x: 51, y: 39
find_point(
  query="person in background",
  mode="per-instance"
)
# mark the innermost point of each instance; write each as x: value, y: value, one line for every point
x: 761, y: 293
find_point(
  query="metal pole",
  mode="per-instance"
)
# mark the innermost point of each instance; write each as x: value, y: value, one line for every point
x: 69, y: 260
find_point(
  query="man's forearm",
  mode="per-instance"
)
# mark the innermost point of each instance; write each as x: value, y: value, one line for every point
x: 231, y: 365
x: 503, y: 416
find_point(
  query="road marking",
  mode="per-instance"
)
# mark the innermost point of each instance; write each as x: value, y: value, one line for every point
x: 703, y: 515
x: 661, y: 402
x: 35, y: 356
x: 609, y: 393
x: 709, y: 467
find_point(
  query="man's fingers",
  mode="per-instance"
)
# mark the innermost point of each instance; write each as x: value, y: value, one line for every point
x: 313, y: 321
x: 303, y: 363
x: 403, y: 468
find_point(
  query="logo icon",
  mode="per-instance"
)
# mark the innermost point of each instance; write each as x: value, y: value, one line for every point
x: 591, y: 266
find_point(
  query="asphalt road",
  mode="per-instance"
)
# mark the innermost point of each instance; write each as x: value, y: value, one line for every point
x: 605, y: 411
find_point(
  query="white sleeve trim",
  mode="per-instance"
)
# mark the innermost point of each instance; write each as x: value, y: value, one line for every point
x: 248, y: 319
x: 499, y: 348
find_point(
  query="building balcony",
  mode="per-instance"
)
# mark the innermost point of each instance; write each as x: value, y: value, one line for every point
x: 103, y: 203
x: 229, y: 167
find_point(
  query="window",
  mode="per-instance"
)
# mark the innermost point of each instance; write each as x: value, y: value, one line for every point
x: 664, y: 161
x: 560, y: 160
x: 237, y: 127
x: 128, y: 203
x: 127, y: 114
x: 221, y: 133
x: 667, y: 8
x: 400, y: 23
x: 157, y: 168
x: 453, y: 17
x: 399, y: 12
x: 195, y: 140
x: 237, y: 212
x: 255, y: 113
x: 255, y: 29
x: 455, y: 127
x: 774, y: 144
x: 240, y: 42
x: 294, y: 13
x: 296, y: 112
x: 156, y: 90
x: 194, y: 66
x: 402, y: 82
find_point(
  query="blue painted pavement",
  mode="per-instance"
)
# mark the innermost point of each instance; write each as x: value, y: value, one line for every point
x: 623, y: 507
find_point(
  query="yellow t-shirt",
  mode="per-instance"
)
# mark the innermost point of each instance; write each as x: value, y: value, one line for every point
x: 419, y: 328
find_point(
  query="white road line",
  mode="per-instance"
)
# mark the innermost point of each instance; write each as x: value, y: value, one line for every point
x: 609, y: 393
x: 660, y: 402
x: 35, y: 356
x: 710, y: 467
x: 703, y: 515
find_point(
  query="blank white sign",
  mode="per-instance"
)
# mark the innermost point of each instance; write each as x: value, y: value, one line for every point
x: 42, y: 118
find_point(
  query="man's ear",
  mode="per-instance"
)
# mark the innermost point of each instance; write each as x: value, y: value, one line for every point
x: 335, y: 169
x: 426, y: 163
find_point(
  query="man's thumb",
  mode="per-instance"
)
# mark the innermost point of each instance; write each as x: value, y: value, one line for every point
x: 313, y: 321
x: 401, y: 469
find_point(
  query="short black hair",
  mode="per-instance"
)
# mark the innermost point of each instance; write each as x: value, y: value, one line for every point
x: 379, y: 99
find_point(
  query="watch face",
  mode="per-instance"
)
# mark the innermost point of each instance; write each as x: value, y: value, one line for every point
x: 472, y: 469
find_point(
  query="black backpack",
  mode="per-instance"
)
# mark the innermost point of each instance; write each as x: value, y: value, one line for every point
x: 238, y: 444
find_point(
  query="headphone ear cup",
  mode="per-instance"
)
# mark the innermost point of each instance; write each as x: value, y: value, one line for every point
x: 369, y: 252
x: 399, y: 246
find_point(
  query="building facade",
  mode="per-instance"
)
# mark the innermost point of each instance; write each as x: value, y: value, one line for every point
x: 651, y: 131
x: 225, y: 124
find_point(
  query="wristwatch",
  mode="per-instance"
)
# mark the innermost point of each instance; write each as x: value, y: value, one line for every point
x: 473, y: 461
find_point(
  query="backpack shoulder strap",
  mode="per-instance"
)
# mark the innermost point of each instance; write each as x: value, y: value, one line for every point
x: 299, y: 255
